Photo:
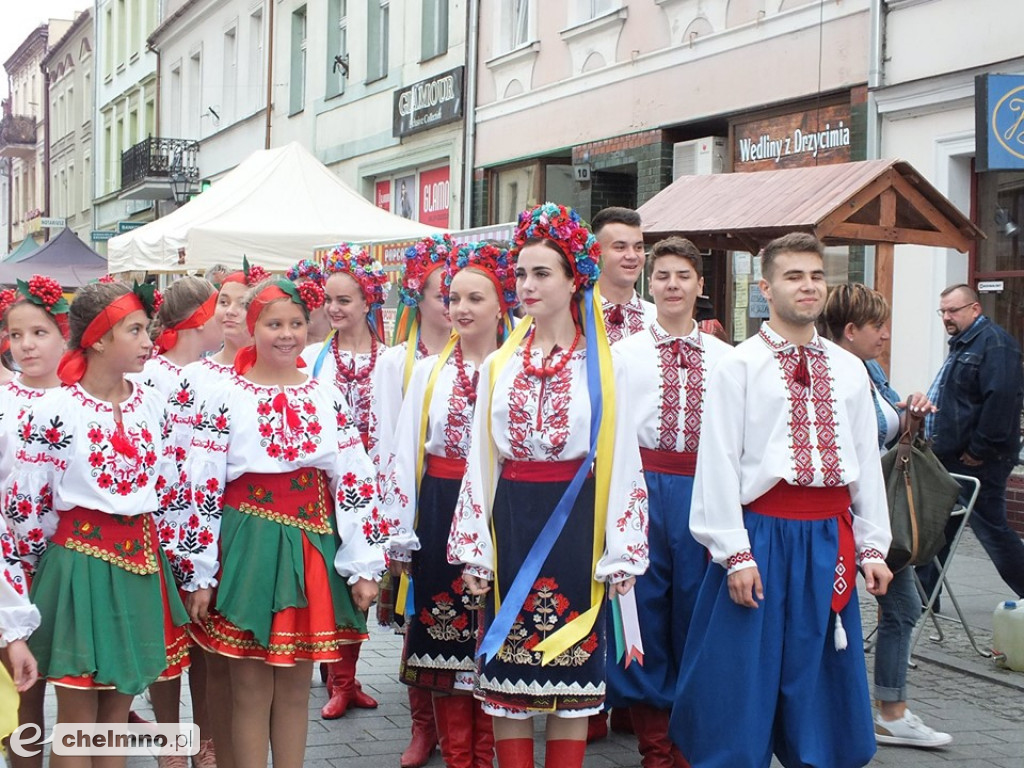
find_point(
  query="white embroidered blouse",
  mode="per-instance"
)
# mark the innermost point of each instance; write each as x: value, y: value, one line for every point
x: 762, y: 426
x: 72, y: 453
x: 668, y: 414
x: 244, y: 428
x: 449, y: 425
x: 534, y: 419
x: 624, y: 320
x: 18, y: 617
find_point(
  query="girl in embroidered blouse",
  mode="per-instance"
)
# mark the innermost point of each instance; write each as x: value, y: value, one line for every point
x: 89, y: 469
x: 34, y: 317
x: 561, y: 533
x: 425, y: 473
x: 355, y: 289
x: 264, y: 462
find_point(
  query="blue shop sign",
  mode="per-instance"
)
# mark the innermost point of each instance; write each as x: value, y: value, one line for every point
x: 999, y: 116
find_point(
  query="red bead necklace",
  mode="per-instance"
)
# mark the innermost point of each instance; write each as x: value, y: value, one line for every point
x: 547, y: 371
x: 348, y: 373
x: 467, y: 385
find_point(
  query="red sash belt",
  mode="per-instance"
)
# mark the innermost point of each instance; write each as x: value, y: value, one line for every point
x: 540, y: 471
x: 669, y: 462
x: 796, y: 502
x: 445, y: 468
x: 127, y: 541
x: 299, y: 498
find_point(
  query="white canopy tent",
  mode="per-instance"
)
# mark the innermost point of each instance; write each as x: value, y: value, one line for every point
x: 274, y: 208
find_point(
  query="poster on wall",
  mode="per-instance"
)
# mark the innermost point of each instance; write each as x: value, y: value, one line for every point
x: 382, y: 194
x: 435, y: 197
x: 404, y: 196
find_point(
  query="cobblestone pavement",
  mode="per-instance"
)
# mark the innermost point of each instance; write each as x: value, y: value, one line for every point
x: 952, y: 688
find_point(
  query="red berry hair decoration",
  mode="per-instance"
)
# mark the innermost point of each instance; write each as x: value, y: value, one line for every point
x: 150, y: 297
x: 311, y: 294
x: 46, y: 293
x: 7, y: 298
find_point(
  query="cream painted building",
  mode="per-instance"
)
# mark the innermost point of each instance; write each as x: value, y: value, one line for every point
x: 23, y: 132
x: 926, y: 100
x: 69, y: 75
x: 126, y: 106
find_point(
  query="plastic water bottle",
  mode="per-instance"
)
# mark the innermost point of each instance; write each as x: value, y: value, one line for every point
x: 1008, y: 633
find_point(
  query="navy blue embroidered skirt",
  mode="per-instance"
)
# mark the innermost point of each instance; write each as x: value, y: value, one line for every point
x: 441, y: 635
x: 514, y: 678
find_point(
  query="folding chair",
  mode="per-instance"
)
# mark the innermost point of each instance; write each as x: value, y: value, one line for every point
x: 942, y: 583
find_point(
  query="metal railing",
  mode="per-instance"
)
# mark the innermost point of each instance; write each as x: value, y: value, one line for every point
x: 159, y: 157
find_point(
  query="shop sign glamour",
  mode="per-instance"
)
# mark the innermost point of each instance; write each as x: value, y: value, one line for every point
x: 428, y: 103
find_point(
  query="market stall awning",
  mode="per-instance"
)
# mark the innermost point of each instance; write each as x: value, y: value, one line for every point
x: 65, y: 258
x: 869, y: 203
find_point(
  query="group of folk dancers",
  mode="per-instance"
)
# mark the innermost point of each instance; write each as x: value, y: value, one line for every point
x: 518, y: 478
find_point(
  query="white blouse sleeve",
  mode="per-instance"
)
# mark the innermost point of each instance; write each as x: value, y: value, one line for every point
x: 204, y: 480
x: 716, y: 514
x: 469, y: 541
x: 626, y: 549
x: 399, y: 488
x: 871, y: 530
x: 362, y: 527
x: 18, y: 617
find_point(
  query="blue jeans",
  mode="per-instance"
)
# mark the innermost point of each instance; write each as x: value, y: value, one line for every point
x: 1001, y: 542
x: 901, y: 608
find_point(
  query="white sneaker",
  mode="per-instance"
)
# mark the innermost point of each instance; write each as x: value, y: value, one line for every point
x: 908, y: 731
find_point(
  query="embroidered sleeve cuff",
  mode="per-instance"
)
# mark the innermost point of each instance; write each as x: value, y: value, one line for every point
x: 197, y: 584
x: 400, y: 555
x: 480, y: 573
x: 870, y: 555
x: 618, y: 576
x: 739, y: 561
x: 355, y: 577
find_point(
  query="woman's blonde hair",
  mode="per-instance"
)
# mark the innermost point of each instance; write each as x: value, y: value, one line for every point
x: 852, y: 303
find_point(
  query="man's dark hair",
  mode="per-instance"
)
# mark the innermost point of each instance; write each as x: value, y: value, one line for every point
x: 969, y: 293
x: 614, y: 215
x: 676, y: 246
x: 794, y: 242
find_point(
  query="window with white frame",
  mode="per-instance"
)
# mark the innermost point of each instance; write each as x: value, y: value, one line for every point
x: 297, y: 94
x: 174, y: 111
x: 434, y: 36
x: 514, y: 20
x: 378, y: 21
x: 229, y: 85
x: 195, y: 94
x: 337, y: 47
x: 591, y: 9
x: 254, y: 72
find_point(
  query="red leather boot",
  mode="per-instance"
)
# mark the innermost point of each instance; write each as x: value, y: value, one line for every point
x: 483, y: 737
x: 565, y: 753
x: 653, y: 742
x: 343, y: 688
x: 424, y: 731
x: 516, y: 753
x: 454, y: 718
x: 597, y: 727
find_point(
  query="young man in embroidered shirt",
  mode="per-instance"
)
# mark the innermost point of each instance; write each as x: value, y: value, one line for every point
x: 774, y: 661
x: 622, y: 262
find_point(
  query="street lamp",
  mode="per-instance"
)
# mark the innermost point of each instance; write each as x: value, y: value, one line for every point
x: 181, y: 187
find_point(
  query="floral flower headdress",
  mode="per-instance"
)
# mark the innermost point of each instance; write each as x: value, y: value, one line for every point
x: 492, y: 260
x: 249, y: 275
x: 564, y: 226
x: 356, y: 261
x: 44, y: 292
x: 421, y: 259
x: 306, y: 269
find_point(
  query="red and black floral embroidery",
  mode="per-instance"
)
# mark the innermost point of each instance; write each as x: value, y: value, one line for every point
x: 539, y: 406
x: 445, y: 620
x: 116, y: 471
x: 460, y: 416
x: 544, y: 612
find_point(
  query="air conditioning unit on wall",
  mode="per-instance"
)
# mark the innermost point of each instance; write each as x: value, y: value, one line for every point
x: 698, y: 157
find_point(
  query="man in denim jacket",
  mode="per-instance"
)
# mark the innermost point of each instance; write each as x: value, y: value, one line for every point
x: 976, y: 430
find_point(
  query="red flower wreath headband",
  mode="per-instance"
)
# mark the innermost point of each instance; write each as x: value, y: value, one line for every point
x: 563, y: 226
x: 490, y: 259
x: 421, y: 259
x: 44, y: 292
x: 249, y: 275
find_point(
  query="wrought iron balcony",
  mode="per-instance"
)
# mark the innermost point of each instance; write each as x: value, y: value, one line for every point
x: 17, y: 136
x: 147, y: 168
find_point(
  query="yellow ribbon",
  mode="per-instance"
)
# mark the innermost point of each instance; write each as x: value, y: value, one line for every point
x: 403, y: 587
x: 411, y: 342
x: 8, y: 704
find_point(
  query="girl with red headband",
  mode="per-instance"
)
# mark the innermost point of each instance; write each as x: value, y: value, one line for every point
x: 425, y: 472
x: 355, y: 289
x: 34, y: 317
x: 89, y: 470
x: 308, y: 269
x: 277, y: 475
x: 553, y: 508
x: 422, y: 328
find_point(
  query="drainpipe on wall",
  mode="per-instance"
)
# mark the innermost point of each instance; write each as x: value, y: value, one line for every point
x: 270, y: 69
x: 46, y: 148
x: 876, y: 76
x: 469, y: 145
x: 10, y: 168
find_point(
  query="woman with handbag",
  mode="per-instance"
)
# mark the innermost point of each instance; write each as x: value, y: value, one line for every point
x: 857, y: 319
